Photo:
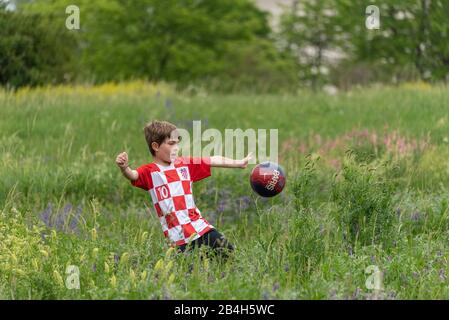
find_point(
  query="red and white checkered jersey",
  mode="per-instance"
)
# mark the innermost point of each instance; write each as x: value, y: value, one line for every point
x: 170, y: 189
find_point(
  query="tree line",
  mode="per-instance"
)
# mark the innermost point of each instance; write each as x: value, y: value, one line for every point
x: 224, y: 45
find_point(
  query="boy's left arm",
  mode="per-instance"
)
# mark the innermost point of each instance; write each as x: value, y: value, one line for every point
x: 222, y: 162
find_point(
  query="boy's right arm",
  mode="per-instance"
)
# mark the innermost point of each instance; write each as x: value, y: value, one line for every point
x: 122, y: 163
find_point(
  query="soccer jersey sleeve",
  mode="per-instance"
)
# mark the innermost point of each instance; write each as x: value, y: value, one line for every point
x: 199, y: 167
x: 144, y: 180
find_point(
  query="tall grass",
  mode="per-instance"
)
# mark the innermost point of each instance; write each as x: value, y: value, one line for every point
x: 367, y: 181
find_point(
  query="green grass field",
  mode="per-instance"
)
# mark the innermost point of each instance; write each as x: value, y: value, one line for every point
x: 367, y: 184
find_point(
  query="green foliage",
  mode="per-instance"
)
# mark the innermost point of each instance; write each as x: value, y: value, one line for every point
x: 308, y: 241
x: 58, y: 155
x: 186, y: 42
x: 407, y: 45
x: 305, y: 185
x: 256, y: 66
x: 32, y: 51
x: 365, y: 204
x: 332, y: 43
x: 225, y: 46
x: 309, y: 30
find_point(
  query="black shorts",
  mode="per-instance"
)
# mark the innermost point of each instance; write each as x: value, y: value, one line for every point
x: 214, y: 240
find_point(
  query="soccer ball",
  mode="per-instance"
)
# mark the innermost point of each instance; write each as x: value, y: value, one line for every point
x: 267, y: 179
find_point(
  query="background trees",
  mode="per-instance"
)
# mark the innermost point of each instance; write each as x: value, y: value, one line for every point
x: 32, y: 52
x: 224, y: 45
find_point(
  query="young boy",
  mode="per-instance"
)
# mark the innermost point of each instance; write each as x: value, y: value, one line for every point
x: 169, y: 181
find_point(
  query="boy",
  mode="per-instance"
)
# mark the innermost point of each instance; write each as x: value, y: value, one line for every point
x: 169, y: 181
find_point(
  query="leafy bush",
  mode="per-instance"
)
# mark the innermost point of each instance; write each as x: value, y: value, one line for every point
x: 32, y: 51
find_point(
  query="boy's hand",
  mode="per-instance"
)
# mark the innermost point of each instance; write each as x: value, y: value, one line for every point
x: 246, y: 160
x: 122, y: 160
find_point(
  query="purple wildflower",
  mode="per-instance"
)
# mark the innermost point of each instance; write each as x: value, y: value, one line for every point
x: 74, y: 221
x: 245, y: 202
x: 225, y: 193
x: 265, y: 296
x: 391, y: 295
x: 45, y: 215
x: 416, y: 216
x: 169, y: 104
x: 62, y: 217
x: 350, y: 251
x: 221, y: 206
x: 442, y: 274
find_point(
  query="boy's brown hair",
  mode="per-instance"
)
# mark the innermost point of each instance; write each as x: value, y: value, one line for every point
x: 157, y: 131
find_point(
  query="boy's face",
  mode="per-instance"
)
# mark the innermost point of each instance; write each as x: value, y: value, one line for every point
x: 167, y: 151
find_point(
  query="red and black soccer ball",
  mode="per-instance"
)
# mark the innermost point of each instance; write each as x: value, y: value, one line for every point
x: 267, y: 179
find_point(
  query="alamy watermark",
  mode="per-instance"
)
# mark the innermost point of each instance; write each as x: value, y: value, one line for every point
x: 375, y: 278
x: 72, y: 281
x: 372, y: 21
x: 72, y: 22
x: 235, y: 143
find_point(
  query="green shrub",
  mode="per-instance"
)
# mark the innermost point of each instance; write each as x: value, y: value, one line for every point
x: 32, y: 51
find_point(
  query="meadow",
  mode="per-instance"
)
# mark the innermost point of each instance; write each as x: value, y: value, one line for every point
x: 367, y: 185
